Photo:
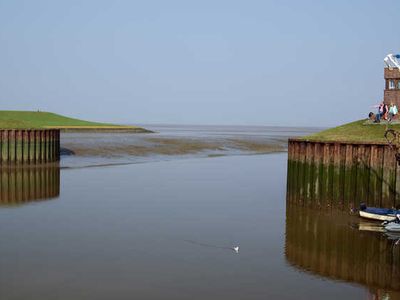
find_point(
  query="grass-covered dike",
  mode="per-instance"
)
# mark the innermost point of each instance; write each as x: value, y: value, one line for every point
x: 47, y: 120
x: 358, y: 131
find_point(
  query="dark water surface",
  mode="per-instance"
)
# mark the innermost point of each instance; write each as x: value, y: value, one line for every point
x: 162, y: 230
x: 338, y: 246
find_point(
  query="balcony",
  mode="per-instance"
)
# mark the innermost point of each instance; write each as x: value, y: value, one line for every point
x: 392, y: 73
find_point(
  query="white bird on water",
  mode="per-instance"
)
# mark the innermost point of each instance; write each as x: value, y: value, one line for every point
x: 236, y: 249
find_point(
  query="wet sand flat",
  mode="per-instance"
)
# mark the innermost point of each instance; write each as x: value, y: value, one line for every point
x: 174, y: 142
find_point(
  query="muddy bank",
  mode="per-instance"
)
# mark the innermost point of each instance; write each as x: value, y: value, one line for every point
x: 276, y: 145
x: 173, y: 146
x: 173, y: 142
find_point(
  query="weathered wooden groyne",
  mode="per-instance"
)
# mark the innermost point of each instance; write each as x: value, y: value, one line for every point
x: 323, y: 243
x: 21, y: 185
x: 29, y: 146
x: 342, y: 174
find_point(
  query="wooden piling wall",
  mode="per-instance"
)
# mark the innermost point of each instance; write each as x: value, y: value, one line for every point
x: 21, y: 185
x: 30, y: 146
x: 341, y: 175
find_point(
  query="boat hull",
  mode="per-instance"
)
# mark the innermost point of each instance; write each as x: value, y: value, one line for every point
x: 394, y: 227
x: 378, y: 217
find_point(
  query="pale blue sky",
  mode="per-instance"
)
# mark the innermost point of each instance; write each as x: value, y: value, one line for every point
x: 313, y: 63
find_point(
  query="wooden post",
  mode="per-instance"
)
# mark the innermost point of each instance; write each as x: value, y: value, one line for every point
x: 317, y: 174
x: 308, y: 162
x: 379, y: 174
x: 336, y: 175
x: 296, y: 172
x: 11, y: 147
x: 302, y: 171
x: 18, y: 146
x: 5, y: 147
x: 342, y: 175
x: 360, y: 188
x: 373, y: 176
x: 325, y: 197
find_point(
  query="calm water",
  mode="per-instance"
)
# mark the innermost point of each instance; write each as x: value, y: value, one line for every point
x: 164, y: 229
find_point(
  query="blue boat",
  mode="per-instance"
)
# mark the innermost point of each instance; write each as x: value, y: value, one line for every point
x: 377, y: 213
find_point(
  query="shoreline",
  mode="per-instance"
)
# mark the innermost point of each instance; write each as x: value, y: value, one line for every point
x: 102, y: 129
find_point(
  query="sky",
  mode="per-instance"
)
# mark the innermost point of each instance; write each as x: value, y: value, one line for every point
x: 289, y: 63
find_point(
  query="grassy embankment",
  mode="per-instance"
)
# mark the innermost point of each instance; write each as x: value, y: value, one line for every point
x: 46, y: 120
x: 358, y: 131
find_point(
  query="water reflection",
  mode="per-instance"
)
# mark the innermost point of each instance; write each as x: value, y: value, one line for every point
x: 328, y: 244
x: 21, y: 185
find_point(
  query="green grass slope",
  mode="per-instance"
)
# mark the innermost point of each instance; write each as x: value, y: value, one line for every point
x: 358, y: 131
x: 33, y: 119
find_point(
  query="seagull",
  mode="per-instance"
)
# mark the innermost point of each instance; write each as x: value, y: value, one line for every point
x: 236, y: 249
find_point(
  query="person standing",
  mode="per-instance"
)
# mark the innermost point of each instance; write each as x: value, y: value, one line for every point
x: 385, y: 111
x: 380, y: 111
x: 392, y: 111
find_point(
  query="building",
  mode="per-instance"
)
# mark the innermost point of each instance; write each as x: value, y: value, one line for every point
x: 392, y: 86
